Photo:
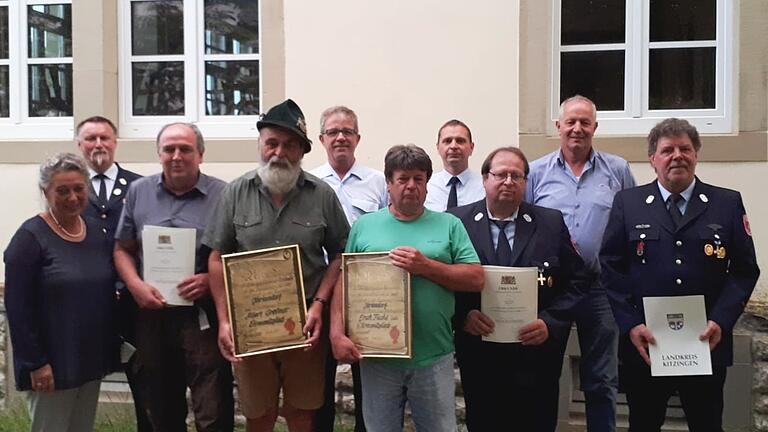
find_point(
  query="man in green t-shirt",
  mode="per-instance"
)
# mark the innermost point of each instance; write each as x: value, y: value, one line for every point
x: 436, y: 250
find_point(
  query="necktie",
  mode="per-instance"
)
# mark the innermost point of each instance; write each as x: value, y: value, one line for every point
x: 452, y: 196
x: 102, y: 188
x: 503, y: 251
x: 674, y: 210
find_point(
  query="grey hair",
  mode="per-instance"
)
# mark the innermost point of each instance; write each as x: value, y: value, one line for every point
x: 576, y: 98
x: 58, y: 163
x: 338, y: 109
x: 199, y: 141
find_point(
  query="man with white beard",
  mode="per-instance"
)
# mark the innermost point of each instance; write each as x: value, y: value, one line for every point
x: 279, y: 204
x: 96, y: 137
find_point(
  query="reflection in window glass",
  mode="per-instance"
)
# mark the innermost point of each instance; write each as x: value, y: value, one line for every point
x: 157, y: 27
x: 50, y: 90
x: 231, y: 27
x: 50, y: 31
x: 5, y: 110
x: 598, y: 75
x: 158, y: 88
x: 682, y: 78
x: 592, y: 22
x: 4, y: 32
x: 232, y: 88
x: 683, y: 20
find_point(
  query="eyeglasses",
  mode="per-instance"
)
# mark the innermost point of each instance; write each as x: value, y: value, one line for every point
x: 501, y: 177
x: 332, y: 133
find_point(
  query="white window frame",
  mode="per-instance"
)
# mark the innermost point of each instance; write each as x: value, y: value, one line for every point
x: 637, y: 118
x: 194, y: 59
x: 19, y: 125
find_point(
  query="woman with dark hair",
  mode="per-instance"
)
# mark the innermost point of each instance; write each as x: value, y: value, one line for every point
x: 59, y: 296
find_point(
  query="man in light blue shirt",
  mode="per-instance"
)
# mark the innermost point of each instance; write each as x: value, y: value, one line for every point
x: 580, y: 181
x: 360, y: 190
x: 456, y: 185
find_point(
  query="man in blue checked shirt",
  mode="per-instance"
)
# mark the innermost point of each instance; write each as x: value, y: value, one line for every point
x: 360, y: 190
x: 581, y: 181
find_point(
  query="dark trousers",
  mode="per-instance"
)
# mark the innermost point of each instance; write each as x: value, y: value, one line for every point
x: 701, y: 397
x: 174, y: 354
x: 126, y: 313
x: 503, y: 384
x: 326, y: 415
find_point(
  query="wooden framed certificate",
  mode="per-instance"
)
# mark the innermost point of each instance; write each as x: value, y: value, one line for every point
x: 377, y: 305
x: 510, y: 299
x: 265, y: 299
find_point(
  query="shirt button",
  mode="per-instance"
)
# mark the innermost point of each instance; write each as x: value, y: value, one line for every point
x: 104, y: 230
x: 717, y: 236
x: 678, y: 261
x: 642, y: 236
x: 679, y: 281
x: 577, y: 205
x: 103, y: 216
x: 679, y: 243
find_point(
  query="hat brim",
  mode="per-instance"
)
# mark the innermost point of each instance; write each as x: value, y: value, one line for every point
x: 290, y: 128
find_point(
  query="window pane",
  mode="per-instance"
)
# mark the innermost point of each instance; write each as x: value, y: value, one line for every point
x: 50, y: 90
x: 158, y: 88
x: 231, y: 27
x: 682, y: 20
x: 157, y: 27
x: 232, y: 88
x: 681, y: 78
x: 5, y: 110
x: 50, y: 31
x: 598, y: 75
x: 4, y: 32
x: 592, y: 22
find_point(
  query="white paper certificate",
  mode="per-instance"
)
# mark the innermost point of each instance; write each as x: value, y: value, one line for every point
x: 169, y: 258
x: 510, y: 299
x: 676, y: 323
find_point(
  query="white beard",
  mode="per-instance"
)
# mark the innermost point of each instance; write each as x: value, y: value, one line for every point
x: 97, y: 159
x: 277, y: 177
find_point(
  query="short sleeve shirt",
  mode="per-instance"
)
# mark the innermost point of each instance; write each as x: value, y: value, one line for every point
x: 439, y: 236
x: 311, y: 217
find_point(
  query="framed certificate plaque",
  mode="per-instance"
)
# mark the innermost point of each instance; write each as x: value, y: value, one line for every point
x: 265, y: 299
x: 377, y: 305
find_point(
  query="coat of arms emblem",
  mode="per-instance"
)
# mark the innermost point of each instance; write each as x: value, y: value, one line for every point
x: 675, y: 321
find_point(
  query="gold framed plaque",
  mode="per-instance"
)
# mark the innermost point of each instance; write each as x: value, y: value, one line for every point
x: 377, y: 305
x: 265, y: 300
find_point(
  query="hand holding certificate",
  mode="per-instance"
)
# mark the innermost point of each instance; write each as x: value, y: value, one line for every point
x: 676, y: 323
x: 168, y: 259
x: 510, y: 299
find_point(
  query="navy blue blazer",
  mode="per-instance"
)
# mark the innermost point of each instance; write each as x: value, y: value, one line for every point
x: 644, y: 255
x: 109, y: 215
x: 540, y: 236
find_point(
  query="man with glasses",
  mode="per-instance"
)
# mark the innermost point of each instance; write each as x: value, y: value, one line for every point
x: 456, y: 185
x: 516, y: 382
x: 360, y: 190
x: 581, y: 181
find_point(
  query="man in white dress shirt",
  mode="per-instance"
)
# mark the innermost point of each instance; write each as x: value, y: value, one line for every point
x: 360, y: 190
x: 456, y: 185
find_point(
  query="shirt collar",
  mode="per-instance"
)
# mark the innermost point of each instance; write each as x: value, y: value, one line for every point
x: 202, y: 186
x: 685, y: 194
x: 511, y: 218
x: 560, y: 159
x: 326, y: 170
x: 110, y: 173
x: 464, y: 177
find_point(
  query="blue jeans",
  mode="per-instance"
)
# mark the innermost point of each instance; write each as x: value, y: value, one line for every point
x: 429, y: 391
x: 599, y: 341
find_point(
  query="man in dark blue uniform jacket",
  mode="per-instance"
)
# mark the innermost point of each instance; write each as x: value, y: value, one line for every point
x: 516, y: 382
x: 96, y: 138
x: 677, y: 236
